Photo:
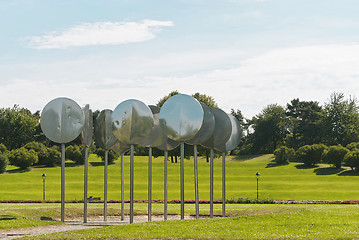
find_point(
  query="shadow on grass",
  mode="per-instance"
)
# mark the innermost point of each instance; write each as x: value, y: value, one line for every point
x: 303, y: 166
x: 328, y: 171
x: 18, y: 170
x: 96, y: 164
x: 241, y: 158
x: 6, y: 217
x: 349, y: 173
x: 274, y: 164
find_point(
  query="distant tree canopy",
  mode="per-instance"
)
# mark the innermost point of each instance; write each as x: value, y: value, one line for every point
x: 17, y: 126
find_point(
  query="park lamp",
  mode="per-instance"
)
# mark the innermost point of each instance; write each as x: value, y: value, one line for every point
x: 258, y: 174
x: 43, y: 176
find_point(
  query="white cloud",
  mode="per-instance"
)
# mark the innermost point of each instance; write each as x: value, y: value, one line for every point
x: 100, y: 33
x: 278, y: 76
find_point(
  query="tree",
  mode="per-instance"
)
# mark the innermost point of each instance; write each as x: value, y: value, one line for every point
x: 23, y: 158
x: 283, y: 155
x: 17, y: 126
x: 310, y: 155
x: 269, y: 128
x: 341, y: 120
x: 352, y: 160
x: 75, y: 153
x: 3, y: 162
x: 335, y: 155
x: 112, y: 155
x: 304, y: 119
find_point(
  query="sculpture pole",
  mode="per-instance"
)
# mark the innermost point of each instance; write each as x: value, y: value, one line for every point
x: 182, y: 180
x: 196, y: 180
x: 149, y: 183
x: 211, y: 184
x: 62, y: 182
x: 122, y: 187
x: 223, y: 184
x: 105, y: 187
x: 131, y: 182
x: 165, y: 186
x: 86, y: 183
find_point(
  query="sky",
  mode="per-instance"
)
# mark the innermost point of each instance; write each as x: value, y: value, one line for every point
x: 246, y: 54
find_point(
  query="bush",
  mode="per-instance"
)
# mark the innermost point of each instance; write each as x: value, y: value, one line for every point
x: 53, y: 157
x: 351, y: 159
x: 112, y: 155
x: 40, y: 149
x: 23, y: 158
x: 335, y: 155
x: 283, y: 155
x: 311, y: 154
x: 353, y: 146
x: 75, y: 153
x: 3, y: 162
x: 2, y: 148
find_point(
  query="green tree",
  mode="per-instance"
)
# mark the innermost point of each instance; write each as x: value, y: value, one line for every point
x: 3, y: 162
x: 283, y: 155
x: 304, y: 120
x: 75, y: 153
x: 341, y: 120
x: 352, y: 160
x: 269, y: 129
x: 17, y: 126
x: 112, y: 155
x: 23, y: 158
x: 335, y: 155
x: 310, y: 155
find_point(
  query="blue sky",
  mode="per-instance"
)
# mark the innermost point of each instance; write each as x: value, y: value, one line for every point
x: 245, y: 53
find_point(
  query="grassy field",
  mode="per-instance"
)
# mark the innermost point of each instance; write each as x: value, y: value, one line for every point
x: 276, y: 182
x: 259, y: 221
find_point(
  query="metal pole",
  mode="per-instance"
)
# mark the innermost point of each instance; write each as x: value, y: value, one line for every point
x: 85, y: 183
x: 105, y: 188
x: 182, y: 180
x: 223, y: 184
x: 165, y: 186
x: 257, y: 188
x: 131, y: 183
x: 63, y: 182
x: 211, y: 184
x: 122, y: 187
x: 43, y: 189
x: 196, y: 180
x: 149, y: 183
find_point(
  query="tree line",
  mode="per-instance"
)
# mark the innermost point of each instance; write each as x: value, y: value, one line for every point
x: 298, y: 124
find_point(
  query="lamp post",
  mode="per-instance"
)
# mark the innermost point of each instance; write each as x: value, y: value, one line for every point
x: 43, y: 186
x: 257, y: 174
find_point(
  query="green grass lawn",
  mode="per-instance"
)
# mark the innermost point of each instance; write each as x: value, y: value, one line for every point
x: 247, y: 221
x: 276, y: 182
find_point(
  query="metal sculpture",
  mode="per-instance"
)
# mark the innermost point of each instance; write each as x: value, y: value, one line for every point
x: 221, y: 134
x: 232, y: 143
x: 155, y: 139
x: 86, y: 137
x: 104, y: 139
x: 121, y: 149
x: 62, y: 120
x: 181, y: 118
x: 203, y: 135
x: 132, y: 123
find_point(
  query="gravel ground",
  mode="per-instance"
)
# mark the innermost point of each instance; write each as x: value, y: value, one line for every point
x: 77, y: 224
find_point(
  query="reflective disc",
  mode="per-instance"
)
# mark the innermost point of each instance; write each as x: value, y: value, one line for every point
x: 132, y: 121
x: 120, y: 147
x: 87, y: 131
x: 222, y: 130
x: 207, y: 128
x: 156, y: 138
x: 62, y: 120
x: 181, y: 117
x: 103, y: 130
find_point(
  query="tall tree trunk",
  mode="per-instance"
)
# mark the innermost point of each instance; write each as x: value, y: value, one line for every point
x: 175, y: 158
x: 171, y: 158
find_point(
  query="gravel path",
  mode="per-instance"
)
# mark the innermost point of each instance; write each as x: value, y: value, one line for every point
x: 77, y: 224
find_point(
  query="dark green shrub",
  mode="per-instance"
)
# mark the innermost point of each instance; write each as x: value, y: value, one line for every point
x: 3, y: 162
x: 112, y: 155
x: 283, y: 155
x: 23, y: 158
x: 2, y: 148
x: 40, y: 149
x: 53, y: 157
x: 310, y: 154
x: 75, y: 153
x: 353, y: 146
x: 335, y: 155
x: 351, y: 159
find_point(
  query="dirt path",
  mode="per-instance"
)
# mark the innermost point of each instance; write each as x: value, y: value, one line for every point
x: 77, y: 224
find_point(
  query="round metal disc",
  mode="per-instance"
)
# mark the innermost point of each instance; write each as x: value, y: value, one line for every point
x: 104, y: 137
x: 207, y: 128
x: 87, y: 131
x: 181, y: 117
x: 132, y: 121
x: 156, y: 138
x: 236, y: 135
x: 120, y: 148
x: 168, y: 145
x: 62, y: 120
x: 222, y: 130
